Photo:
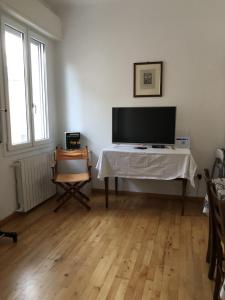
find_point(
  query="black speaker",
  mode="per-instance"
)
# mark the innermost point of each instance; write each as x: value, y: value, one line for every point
x: 72, y: 140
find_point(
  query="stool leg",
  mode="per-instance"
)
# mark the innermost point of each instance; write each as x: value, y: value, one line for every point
x: 106, y: 191
x: 12, y: 235
x: 116, y: 185
x: 63, y: 202
x: 83, y: 195
x: 81, y: 201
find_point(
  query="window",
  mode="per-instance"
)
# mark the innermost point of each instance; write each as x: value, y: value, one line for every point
x: 19, y: 119
x: 37, y: 53
x: 25, y: 87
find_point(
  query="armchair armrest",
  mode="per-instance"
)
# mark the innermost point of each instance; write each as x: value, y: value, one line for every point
x: 89, y: 169
x: 54, y: 169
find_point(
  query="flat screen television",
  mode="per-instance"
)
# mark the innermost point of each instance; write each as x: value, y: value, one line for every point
x: 145, y: 125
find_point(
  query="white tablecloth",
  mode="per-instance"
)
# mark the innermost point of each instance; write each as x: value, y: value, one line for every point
x: 150, y: 163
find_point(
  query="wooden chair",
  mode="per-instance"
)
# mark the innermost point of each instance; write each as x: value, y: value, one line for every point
x: 71, y: 182
x: 211, y: 250
x: 219, y: 163
x: 218, y: 223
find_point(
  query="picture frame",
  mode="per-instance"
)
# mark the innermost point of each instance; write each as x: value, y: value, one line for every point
x: 148, y: 79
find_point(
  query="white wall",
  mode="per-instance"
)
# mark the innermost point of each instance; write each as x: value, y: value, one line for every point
x: 101, y: 43
x: 7, y: 178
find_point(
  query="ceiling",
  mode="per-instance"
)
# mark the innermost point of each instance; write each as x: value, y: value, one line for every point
x: 66, y: 2
x: 57, y: 5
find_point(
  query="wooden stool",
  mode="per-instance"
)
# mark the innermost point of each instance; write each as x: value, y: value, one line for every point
x: 12, y: 235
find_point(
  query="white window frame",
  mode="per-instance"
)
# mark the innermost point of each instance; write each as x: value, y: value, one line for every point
x: 34, y: 36
x: 28, y: 36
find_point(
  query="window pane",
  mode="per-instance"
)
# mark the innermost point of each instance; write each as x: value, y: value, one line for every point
x: 14, y: 41
x: 39, y: 90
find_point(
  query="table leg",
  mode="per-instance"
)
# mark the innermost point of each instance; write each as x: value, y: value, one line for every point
x: 184, y: 186
x: 116, y: 185
x: 106, y: 191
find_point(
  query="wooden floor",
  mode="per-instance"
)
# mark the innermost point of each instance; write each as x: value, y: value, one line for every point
x: 140, y: 248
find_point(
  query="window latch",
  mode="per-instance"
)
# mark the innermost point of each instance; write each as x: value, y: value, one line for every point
x: 3, y: 109
x: 34, y: 108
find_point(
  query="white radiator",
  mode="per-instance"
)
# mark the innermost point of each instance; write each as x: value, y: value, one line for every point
x: 33, y: 181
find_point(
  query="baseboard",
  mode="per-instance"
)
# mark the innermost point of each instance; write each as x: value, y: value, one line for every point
x: 112, y: 192
x: 17, y: 213
x: 152, y: 195
x: 8, y: 219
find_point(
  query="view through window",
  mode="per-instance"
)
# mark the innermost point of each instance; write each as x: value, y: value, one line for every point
x: 26, y: 87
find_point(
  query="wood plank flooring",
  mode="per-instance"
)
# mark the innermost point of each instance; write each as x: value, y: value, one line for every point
x: 141, y: 248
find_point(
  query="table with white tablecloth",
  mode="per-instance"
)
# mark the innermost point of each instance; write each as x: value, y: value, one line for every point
x: 150, y: 163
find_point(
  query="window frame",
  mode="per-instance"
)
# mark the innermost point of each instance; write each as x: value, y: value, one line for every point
x: 28, y: 35
x: 34, y: 36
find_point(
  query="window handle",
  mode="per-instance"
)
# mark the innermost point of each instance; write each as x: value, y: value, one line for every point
x: 34, y: 108
x: 3, y: 109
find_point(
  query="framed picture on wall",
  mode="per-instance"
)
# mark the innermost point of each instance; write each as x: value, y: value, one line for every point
x: 148, y: 79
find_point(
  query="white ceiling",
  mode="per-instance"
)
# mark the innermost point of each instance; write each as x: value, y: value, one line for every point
x: 80, y: 2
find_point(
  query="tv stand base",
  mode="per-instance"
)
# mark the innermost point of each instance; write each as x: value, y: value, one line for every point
x: 159, y: 146
x: 141, y: 147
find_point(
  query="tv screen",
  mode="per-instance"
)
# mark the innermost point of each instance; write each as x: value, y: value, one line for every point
x: 150, y: 125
